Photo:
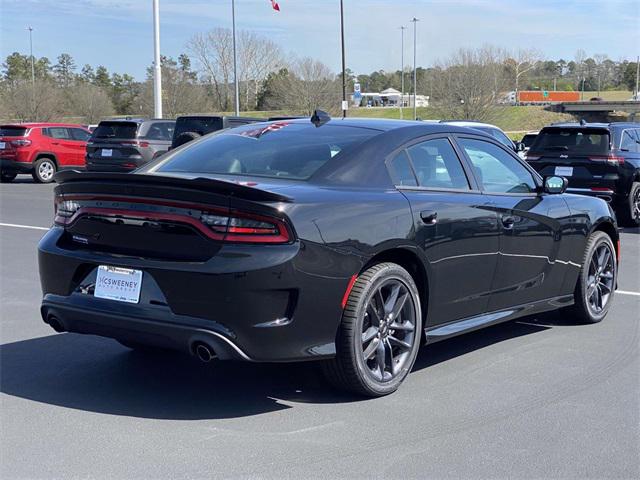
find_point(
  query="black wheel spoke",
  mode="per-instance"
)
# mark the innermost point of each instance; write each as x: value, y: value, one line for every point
x: 369, y: 334
x: 393, y: 297
x: 371, y: 349
x: 405, y: 326
x: 399, y: 305
x: 605, y: 287
x: 380, y: 354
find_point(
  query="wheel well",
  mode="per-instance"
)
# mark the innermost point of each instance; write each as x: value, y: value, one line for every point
x: 412, y: 264
x: 47, y: 155
x: 610, y: 230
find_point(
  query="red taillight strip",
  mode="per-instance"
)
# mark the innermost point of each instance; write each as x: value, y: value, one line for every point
x: 347, y: 292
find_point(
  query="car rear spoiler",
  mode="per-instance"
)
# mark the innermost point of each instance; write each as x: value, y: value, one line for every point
x: 209, y: 185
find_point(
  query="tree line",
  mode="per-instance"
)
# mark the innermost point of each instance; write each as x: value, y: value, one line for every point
x: 464, y: 85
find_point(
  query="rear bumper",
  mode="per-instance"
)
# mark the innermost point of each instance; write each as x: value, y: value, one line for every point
x: 11, y: 166
x: 607, y: 194
x: 114, y: 164
x: 249, y: 303
x: 163, y: 329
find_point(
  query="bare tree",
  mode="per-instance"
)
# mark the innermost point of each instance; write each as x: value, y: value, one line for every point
x: 522, y: 62
x: 47, y: 104
x: 303, y: 87
x: 257, y: 57
x: 90, y: 102
x: 468, y: 84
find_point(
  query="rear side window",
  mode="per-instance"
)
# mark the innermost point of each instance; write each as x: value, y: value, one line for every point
x: 629, y: 142
x: 278, y: 150
x: 60, y: 133
x: 9, y: 131
x: 160, y: 131
x: 577, y: 141
x: 119, y: 130
x: 199, y: 125
x: 401, y: 172
x: 437, y: 165
x: 79, y: 134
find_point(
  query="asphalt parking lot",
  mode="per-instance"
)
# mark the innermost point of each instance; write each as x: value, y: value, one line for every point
x: 536, y: 398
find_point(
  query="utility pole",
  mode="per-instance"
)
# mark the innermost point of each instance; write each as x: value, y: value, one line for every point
x: 415, y: 78
x: 402, y: 29
x: 33, y: 72
x: 157, y: 71
x: 344, y: 75
x: 235, y: 59
x: 637, y: 77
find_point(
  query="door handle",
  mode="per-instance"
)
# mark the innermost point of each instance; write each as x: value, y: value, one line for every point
x: 429, y: 217
x: 508, y: 222
x: 55, y: 143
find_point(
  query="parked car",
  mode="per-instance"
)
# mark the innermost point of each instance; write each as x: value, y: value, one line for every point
x: 347, y: 241
x: 190, y: 127
x: 41, y: 149
x: 526, y: 141
x: 492, y: 130
x: 124, y: 145
x: 598, y: 159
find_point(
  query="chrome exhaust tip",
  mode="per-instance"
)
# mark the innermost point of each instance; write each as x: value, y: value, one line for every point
x: 204, y: 352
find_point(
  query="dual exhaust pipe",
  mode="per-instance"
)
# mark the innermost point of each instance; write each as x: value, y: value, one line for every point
x: 204, y: 352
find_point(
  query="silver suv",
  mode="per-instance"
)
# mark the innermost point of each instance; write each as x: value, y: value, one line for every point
x: 124, y: 145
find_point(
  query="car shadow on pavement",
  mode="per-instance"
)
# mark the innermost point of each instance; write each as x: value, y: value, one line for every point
x: 98, y: 375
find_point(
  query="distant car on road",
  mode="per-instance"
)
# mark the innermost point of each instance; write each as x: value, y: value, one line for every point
x: 598, y: 159
x: 124, y: 145
x: 41, y: 149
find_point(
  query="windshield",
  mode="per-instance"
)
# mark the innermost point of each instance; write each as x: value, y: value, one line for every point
x: 278, y: 150
x: 9, y: 131
x: 126, y: 130
x: 579, y: 141
x: 200, y: 125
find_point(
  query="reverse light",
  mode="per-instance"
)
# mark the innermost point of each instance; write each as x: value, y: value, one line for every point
x: 137, y: 143
x: 20, y: 143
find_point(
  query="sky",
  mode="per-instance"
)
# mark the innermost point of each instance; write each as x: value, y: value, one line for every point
x: 119, y: 33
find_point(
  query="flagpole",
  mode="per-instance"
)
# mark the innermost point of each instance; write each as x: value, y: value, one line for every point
x: 344, y: 76
x: 235, y: 59
x: 157, y: 71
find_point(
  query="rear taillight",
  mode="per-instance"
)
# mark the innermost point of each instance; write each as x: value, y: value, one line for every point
x: 20, y: 143
x: 246, y: 227
x: 222, y: 225
x: 136, y: 143
x: 610, y: 159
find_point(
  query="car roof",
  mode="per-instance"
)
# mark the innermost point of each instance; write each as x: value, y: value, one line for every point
x: 469, y: 123
x: 593, y: 125
x: 42, y: 124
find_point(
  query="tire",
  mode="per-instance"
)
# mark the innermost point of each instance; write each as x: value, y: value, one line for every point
x: 586, y: 308
x: 186, y: 137
x: 7, y: 177
x: 44, y: 169
x: 630, y: 211
x: 349, y: 370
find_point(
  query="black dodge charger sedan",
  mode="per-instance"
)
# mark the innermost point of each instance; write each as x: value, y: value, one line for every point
x: 347, y: 241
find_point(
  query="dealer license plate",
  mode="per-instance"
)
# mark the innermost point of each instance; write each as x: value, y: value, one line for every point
x: 120, y: 284
x: 107, y: 152
x: 564, y: 171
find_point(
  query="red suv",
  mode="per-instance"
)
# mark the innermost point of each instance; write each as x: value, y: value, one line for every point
x: 41, y: 149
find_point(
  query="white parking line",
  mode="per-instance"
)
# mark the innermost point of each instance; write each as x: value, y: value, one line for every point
x: 29, y: 227
x: 624, y: 292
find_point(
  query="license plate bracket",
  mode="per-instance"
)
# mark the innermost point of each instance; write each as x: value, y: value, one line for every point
x: 119, y: 284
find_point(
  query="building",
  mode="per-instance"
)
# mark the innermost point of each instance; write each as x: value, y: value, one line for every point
x: 387, y: 98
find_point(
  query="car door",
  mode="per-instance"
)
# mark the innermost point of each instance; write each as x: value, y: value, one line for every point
x: 79, y: 138
x: 531, y: 265
x: 453, y: 225
x: 62, y: 145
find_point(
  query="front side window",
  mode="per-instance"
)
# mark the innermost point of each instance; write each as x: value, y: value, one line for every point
x: 277, y: 150
x: 497, y: 171
x: 437, y: 165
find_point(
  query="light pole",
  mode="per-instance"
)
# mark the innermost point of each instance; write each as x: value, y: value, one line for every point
x: 344, y: 75
x: 157, y: 71
x: 33, y: 72
x: 415, y: 78
x: 402, y: 29
x: 235, y: 59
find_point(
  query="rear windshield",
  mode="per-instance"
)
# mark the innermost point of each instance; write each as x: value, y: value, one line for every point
x: 9, y: 131
x: 579, y: 141
x: 125, y: 130
x: 278, y: 150
x: 199, y: 125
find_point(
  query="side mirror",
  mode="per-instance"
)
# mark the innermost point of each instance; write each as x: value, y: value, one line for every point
x: 555, y: 185
x: 520, y: 147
